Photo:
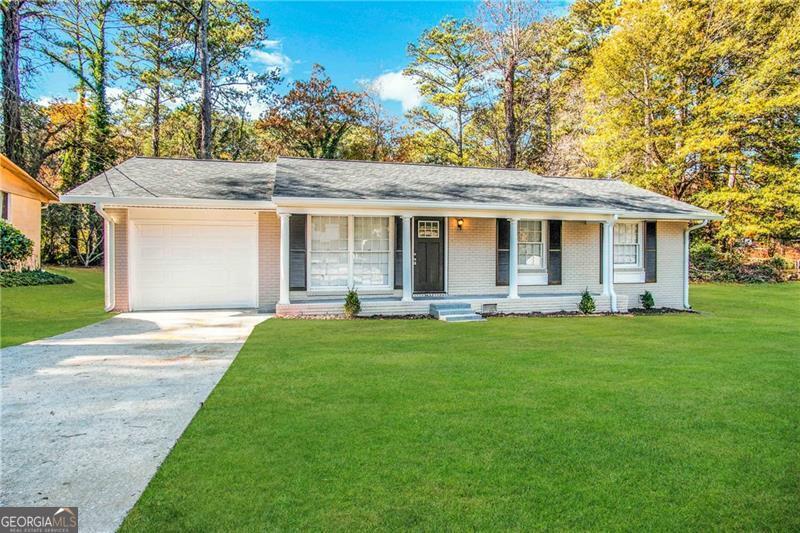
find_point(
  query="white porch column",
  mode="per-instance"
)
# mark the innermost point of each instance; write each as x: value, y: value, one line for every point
x: 608, y: 264
x: 513, y: 252
x: 284, y: 270
x: 407, y: 288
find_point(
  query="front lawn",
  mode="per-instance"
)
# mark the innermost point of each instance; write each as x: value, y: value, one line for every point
x: 660, y: 422
x: 30, y: 313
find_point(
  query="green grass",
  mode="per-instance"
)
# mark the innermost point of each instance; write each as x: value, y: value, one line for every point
x: 665, y: 422
x: 30, y: 313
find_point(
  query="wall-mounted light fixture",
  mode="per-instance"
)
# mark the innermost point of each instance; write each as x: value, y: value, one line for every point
x: 460, y: 223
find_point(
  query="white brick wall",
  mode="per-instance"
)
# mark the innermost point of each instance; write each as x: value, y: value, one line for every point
x: 269, y: 236
x: 668, y: 289
x: 472, y: 262
x: 121, y: 303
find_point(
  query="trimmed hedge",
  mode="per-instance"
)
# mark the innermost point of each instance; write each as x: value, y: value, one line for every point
x: 27, y: 278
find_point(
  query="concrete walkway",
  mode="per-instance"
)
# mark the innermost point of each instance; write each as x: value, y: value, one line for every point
x: 88, y: 416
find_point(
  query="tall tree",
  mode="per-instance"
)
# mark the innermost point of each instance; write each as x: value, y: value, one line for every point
x: 444, y: 64
x: 224, y: 34
x: 689, y: 98
x: 149, y: 46
x: 506, y: 34
x: 12, y: 98
x: 80, y: 46
x: 314, y: 116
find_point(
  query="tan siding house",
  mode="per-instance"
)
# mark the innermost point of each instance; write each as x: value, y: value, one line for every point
x: 22, y: 198
x: 292, y: 237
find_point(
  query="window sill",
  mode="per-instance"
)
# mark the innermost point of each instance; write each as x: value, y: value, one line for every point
x: 531, y: 278
x: 628, y: 275
x: 343, y: 291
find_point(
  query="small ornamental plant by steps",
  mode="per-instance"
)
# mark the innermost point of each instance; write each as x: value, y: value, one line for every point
x: 647, y: 300
x: 352, y: 304
x: 586, y: 305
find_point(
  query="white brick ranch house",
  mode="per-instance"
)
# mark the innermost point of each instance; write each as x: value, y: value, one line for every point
x: 292, y: 236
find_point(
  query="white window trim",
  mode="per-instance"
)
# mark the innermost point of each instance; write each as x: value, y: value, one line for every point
x: 532, y: 276
x: 543, y: 268
x: 322, y: 291
x: 639, y: 265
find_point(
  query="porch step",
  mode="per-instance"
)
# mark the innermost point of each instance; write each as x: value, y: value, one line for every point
x: 455, y: 312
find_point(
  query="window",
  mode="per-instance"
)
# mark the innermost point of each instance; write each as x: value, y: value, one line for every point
x: 428, y: 229
x: 335, y: 240
x: 530, y: 243
x: 626, y: 244
x: 328, y: 256
x: 371, y: 251
x: 4, y: 199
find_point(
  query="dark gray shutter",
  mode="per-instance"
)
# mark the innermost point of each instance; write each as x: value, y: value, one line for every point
x: 503, y: 240
x: 602, y: 267
x: 297, y: 252
x: 650, y: 253
x: 398, y: 252
x: 554, y: 252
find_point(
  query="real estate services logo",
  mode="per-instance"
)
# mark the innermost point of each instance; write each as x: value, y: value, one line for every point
x: 38, y: 519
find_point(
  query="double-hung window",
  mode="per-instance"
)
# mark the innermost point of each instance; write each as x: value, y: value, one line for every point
x: 329, y: 253
x: 349, y: 251
x: 626, y: 245
x: 371, y: 251
x: 530, y: 237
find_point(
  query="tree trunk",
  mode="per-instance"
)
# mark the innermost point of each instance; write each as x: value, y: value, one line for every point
x: 12, y: 119
x: 205, y: 84
x: 101, y: 153
x: 509, y: 74
x: 156, y: 120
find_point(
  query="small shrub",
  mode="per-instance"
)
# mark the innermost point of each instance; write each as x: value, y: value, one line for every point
x: 352, y: 303
x: 15, y: 247
x: 647, y: 300
x: 586, y: 305
x: 27, y: 278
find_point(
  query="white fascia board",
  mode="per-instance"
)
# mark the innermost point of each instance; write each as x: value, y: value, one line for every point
x: 109, y: 201
x: 412, y: 207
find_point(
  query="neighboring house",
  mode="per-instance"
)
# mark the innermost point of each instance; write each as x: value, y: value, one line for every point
x: 292, y: 236
x: 22, y: 198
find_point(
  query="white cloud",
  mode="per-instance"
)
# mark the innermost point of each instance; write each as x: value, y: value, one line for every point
x: 398, y: 87
x: 272, y: 56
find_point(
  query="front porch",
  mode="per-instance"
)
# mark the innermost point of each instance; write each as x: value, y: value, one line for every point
x: 395, y: 306
x: 477, y: 260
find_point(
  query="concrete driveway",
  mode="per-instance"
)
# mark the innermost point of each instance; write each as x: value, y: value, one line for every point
x: 88, y: 416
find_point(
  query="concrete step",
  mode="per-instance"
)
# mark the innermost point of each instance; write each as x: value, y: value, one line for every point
x: 472, y: 317
x: 438, y: 310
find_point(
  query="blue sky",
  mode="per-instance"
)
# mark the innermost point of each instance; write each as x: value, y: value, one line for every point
x: 352, y: 40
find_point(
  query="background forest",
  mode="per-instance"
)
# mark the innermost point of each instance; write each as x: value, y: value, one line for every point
x: 695, y: 99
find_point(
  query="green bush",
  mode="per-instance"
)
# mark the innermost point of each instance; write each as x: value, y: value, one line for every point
x: 586, y: 305
x: 709, y: 264
x: 26, y: 278
x: 352, y: 304
x: 648, y: 302
x: 15, y: 247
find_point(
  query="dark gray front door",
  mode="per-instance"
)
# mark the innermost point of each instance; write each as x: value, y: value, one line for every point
x: 428, y: 254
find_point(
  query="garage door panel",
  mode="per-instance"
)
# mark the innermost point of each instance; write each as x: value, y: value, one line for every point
x: 195, y: 265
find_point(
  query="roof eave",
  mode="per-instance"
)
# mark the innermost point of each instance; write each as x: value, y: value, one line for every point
x: 288, y: 202
x: 166, y: 202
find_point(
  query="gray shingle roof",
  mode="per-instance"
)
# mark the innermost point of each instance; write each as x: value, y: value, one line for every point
x: 317, y: 178
x: 152, y: 177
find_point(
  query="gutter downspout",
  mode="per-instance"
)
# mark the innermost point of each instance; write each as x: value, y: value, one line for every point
x: 109, y: 257
x: 686, y: 233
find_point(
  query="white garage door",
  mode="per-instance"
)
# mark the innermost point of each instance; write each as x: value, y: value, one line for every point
x: 194, y: 264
